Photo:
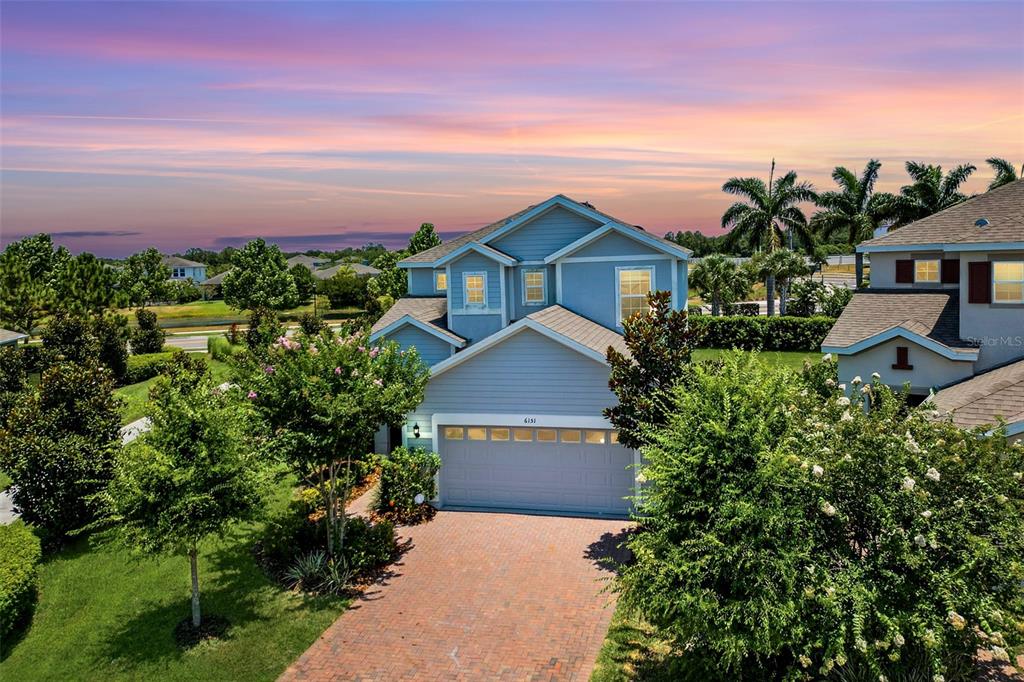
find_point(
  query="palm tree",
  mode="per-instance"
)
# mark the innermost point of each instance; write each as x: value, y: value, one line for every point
x: 930, y: 191
x: 1005, y: 172
x: 781, y: 266
x: 720, y: 280
x: 769, y: 212
x: 856, y: 210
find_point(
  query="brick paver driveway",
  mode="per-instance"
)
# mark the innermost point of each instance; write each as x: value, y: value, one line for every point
x: 479, y: 596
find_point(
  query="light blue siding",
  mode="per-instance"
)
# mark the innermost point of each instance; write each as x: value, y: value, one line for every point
x: 421, y: 282
x: 614, y: 244
x: 545, y: 234
x: 474, y: 262
x: 591, y: 289
x: 526, y: 374
x: 517, y: 310
x: 684, y: 283
x: 475, y: 328
x: 431, y: 349
x: 196, y: 274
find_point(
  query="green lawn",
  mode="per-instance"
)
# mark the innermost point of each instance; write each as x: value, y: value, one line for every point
x: 135, y: 396
x: 106, y: 614
x: 791, y: 359
x: 5, y: 481
x: 219, y: 312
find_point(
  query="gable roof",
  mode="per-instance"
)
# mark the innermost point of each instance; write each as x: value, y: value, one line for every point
x: 930, y: 318
x: 309, y: 261
x: 179, y: 262
x: 429, y: 314
x: 482, y: 249
x: 216, y: 280
x: 984, y: 397
x: 954, y: 228
x: 358, y: 268
x: 555, y: 322
x: 7, y: 336
x: 660, y: 244
x: 501, y: 227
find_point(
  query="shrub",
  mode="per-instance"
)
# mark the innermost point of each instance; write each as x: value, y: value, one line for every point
x: 111, y: 333
x: 264, y: 329
x: 345, y: 288
x: 368, y: 545
x: 69, y: 338
x: 221, y: 349
x: 786, y: 536
x: 305, y: 282
x: 20, y: 552
x: 743, y: 309
x: 762, y: 333
x: 181, y: 292
x: 311, y: 324
x: 233, y: 335
x: 147, y: 337
x: 808, y: 298
x: 13, y: 379
x: 143, y: 367
x: 405, y: 474
x: 60, y: 444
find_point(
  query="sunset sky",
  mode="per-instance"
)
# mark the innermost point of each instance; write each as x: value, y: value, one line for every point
x: 324, y: 125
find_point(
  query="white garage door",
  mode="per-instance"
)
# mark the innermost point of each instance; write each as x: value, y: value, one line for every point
x: 566, y: 470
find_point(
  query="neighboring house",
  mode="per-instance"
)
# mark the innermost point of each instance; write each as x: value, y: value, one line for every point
x: 184, y: 269
x: 10, y: 338
x: 212, y: 285
x: 515, y: 320
x: 945, y: 311
x: 311, y: 262
x: 358, y: 268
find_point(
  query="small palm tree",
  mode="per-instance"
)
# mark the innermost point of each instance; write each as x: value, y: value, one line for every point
x: 930, y: 191
x: 720, y: 280
x: 769, y: 212
x: 782, y: 266
x: 856, y: 210
x: 1005, y: 172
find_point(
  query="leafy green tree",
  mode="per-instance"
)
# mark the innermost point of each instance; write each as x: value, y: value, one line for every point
x: 781, y: 266
x: 144, y: 277
x: 392, y: 280
x: 768, y: 213
x: 111, y: 331
x: 38, y: 254
x: 85, y: 285
x: 23, y: 298
x: 259, y: 279
x: 1005, y: 172
x: 13, y: 380
x: 69, y: 338
x: 929, y: 191
x: 855, y: 210
x: 147, y: 337
x: 718, y: 279
x: 790, y: 534
x: 305, y: 282
x: 701, y: 245
x: 59, y: 445
x: 659, y: 343
x: 345, y: 288
x: 424, y: 238
x: 323, y: 397
x: 192, y: 475
x: 264, y: 328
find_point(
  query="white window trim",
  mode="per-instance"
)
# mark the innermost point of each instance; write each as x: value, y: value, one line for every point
x: 1005, y: 281
x: 938, y: 270
x: 544, y: 286
x: 465, y: 290
x: 438, y: 273
x: 618, y: 300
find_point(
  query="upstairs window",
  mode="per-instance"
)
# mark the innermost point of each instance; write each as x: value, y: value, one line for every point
x: 634, y: 285
x: 178, y: 272
x: 474, y: 286
x: 1008, y: 282
x: 534, y: 290
x: 926, y: 271
x: 440, y: 281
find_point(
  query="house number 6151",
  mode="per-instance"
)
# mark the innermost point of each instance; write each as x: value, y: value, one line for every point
x: 529, y: 420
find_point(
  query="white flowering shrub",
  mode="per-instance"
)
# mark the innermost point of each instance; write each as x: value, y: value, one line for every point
x: 787, y: 535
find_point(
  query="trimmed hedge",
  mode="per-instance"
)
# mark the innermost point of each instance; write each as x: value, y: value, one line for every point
x: 20, y: 552
x: 221, y: 349
x: 761, y: 333
x: 147, y: 366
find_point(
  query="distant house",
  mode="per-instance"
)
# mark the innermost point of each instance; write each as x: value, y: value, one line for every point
x: 213, y: 284
x: 9, y: 338
x: 358, y: 268
x: 311, y: 262
x: 184, y: 269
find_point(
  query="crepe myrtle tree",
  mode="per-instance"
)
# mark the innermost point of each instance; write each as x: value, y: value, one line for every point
x: 323, y: 397
x: 192, y: 474
x: 259, y: 279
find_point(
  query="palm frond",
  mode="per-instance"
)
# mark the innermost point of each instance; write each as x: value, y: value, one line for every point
x: 753, y: 189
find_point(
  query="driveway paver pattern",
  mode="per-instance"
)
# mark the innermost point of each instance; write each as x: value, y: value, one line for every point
x: 479, y: 596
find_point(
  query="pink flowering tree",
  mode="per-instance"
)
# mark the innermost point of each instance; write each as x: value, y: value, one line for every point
x: 323, y: 397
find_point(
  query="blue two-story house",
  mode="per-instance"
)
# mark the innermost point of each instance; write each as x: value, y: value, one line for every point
x: 515, y: 320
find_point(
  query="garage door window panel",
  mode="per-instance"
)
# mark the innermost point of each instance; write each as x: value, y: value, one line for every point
x: 595, y: 437
x: 476, y: 433
x: 570, y: 436
x: 499, y: 434
x: 453, y: 432
x: 523, y: 435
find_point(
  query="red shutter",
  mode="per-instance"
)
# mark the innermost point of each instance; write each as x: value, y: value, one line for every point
x: 951, y: 271
x: 902, y: 358
x: 904, y: 272
x: 979, y: 282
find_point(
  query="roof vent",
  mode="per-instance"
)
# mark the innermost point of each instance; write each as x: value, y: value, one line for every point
x: 981, y: 222
x: 587, y: 204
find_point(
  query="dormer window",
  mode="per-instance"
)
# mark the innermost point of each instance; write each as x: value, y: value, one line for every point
x: 926, y: 271
x: 440, y: 281
x: 633, y: 286
x: 1008, y: 282
x: 474, y: 287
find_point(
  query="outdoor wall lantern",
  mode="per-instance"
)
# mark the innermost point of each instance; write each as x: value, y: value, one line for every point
x: 415, y: 430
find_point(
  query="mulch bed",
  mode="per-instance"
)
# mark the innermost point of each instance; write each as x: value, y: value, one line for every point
x: 420, y: 514
x: 211, y: 627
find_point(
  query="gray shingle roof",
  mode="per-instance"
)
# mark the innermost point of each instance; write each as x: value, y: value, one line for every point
x: 935, y: 314
x: 579, y: 329
x: 179, y: 262
x: 216, y: 280
x: 982, y: 398
x: 1002, y: 207
x: 430, y: 255
x: 358, y: 268
x: 431, y: 311
x: 302, y: 259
